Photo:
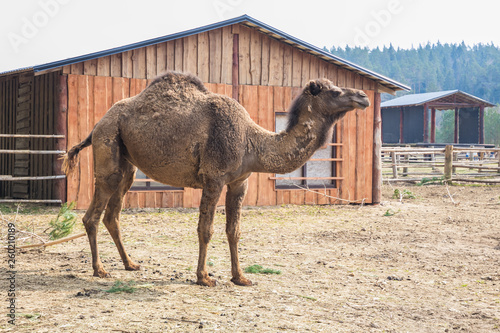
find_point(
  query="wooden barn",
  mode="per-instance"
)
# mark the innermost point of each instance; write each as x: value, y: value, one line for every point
x: 412, y: 118
x: 53, y: 106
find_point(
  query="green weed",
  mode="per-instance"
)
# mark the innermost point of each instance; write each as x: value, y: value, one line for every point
x: 404, y: 194
x: 119, y: 286
x: 258, y: 269
x: 433, y: 180
x: 64, y: 222
x: 390, y: 212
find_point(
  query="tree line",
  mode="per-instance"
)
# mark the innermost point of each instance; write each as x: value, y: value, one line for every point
x: 437, y: 67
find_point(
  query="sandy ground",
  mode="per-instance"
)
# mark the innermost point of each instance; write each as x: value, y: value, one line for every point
x: 432, y: 266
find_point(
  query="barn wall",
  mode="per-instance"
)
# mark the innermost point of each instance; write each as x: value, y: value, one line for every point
x: 27, y: 106
x: 89, y: 97
x: 391, y: 118
x: 8, y: 106
x: 413, y: 124
x: 468, y: 125
x: 262, y: 61
x: 270, y: 74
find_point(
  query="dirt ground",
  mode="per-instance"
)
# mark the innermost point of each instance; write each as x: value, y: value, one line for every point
x: 431, y: 266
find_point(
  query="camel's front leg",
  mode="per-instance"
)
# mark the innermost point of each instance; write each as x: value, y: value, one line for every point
x: 234, y: 199
x: 209, y: 198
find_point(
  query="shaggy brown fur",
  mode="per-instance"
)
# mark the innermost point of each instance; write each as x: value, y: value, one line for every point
x: 179, y: 133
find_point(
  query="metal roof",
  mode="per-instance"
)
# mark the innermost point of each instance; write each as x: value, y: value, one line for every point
x: 441, y: 99
x: 244, y: 20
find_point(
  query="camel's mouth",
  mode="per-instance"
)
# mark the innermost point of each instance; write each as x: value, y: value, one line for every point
x: 362, y: 104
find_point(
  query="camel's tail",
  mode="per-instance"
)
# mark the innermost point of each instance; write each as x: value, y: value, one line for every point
x: 69, y: 159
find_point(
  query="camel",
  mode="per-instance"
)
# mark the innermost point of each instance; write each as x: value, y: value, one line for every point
x: 179, y: 133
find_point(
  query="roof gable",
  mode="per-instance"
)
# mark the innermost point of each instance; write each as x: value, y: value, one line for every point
x: 389, y: 84
x: 439, y: 99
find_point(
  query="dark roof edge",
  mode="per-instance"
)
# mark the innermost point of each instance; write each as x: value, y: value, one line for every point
x: 393, y: 85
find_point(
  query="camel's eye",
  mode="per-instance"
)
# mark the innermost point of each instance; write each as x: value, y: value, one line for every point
x: 335, y: 93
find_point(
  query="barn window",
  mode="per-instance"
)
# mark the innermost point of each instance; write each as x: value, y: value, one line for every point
x: 143, y: 183
x: 318, y: 172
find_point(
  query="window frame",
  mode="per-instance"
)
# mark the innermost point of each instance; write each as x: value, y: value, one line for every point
x: 304, y: 182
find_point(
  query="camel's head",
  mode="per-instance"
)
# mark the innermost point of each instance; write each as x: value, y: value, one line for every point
x: 333, y: 99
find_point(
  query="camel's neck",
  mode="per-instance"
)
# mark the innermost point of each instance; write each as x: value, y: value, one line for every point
x: 286, y: 151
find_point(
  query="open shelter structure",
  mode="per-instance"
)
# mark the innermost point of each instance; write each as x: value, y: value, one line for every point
x: 53, y: 106
x: 407, y: 119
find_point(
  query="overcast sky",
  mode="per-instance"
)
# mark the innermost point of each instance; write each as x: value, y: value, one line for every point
x: 40, y: 31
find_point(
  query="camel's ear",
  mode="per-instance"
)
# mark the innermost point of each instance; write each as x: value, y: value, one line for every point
x: 314, y: 87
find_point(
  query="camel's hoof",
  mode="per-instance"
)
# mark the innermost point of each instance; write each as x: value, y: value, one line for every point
x: 133, y: 267
x: 207, y: 282
x: 102, y: 274
x: 242, y: 282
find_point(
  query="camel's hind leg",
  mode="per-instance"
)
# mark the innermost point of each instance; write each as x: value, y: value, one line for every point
x: 109, y: 174
x: 112, y: 216
x: 103, y: 192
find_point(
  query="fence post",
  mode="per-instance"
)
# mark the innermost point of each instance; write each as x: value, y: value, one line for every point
x: 394, y: 165
x: 448, y: 162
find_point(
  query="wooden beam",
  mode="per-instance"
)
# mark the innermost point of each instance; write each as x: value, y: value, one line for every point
x: 401, y: 127
x: 433, y: 125
x: 377, y: 155
x: 455, y: 134
x: 61, y: 129
x: 236, y: 66
x: 481, y: 124
x: 426, y: 124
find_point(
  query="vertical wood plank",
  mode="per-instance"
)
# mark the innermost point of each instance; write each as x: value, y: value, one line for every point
x: 287, y: 65
x: 306, y: 62
x: 77, y: 68
x: 151, y: 69
x: 296, y: 68
x: 227, y: 55
x: 190, y: 62
x: 313, y: 68
x: 322, y: 69
x: 127, y: 64
x: 276, y: 63
x: 187, y: 198
x: 150, y: 199
x: 61, y: 118
x: 72, y: 136
x: 116, y: 64
x: 139, y: 63
x: 255, y: 57
x: 215, y: 55
x: 203, y: 57
x: 360, y: 155
x: 90, y: 67
x: 171, y: 58
x: 369, y: 116
x: 332, y: 74
x: 349, y: 83
x: 161, y: 58
x: 104, y: 66
x: 265, y: 60
x: 341, y: 77
x: 244, y: 56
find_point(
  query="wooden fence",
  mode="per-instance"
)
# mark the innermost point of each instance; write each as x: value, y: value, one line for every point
x: 419, y: 164
x: 29, y: 152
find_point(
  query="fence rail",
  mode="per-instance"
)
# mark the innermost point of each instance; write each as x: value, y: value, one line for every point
x: 12, y: 178
x: 450, y: 163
